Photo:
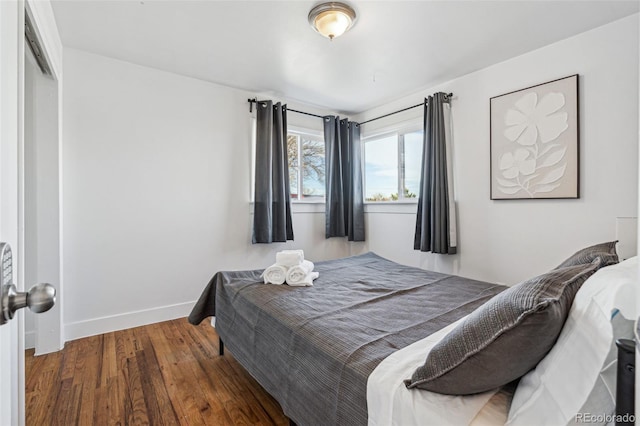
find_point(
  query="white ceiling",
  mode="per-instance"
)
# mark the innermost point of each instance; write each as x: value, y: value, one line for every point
x: 395, y: 47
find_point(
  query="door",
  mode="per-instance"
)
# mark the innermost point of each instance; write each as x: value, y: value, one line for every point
x: 11, y: 333
x: 40, y: 297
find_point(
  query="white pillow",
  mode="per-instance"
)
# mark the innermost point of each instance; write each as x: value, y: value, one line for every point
x: 557, y: 389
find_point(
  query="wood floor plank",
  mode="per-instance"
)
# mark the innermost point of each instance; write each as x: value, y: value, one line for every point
x: 85, y: 414
x: 65, y: 402
x: 203, y: 353
x: 138, y: 414
x: 101, y: 407
x: 69, y: 355
x: 42, y: 395
x: 194, y: 402
x: 151, y: 402
x: 44, y: 366
x: 88, y: 362
x: 269, y: 406
x: 35, y: 364
x: 119, y: 402
x: 124, y: 348
x: 166, y: 369
x: 109, y: 361
x: 167, y: 373
x: 159, y: 407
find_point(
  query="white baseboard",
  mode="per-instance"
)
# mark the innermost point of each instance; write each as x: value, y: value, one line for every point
x: 92, y: 327
x: 29, y: 339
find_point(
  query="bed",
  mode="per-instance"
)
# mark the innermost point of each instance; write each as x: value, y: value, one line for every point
x: 314, y: 349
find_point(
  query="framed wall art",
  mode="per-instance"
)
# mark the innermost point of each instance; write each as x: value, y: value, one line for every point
x: 534, y: 142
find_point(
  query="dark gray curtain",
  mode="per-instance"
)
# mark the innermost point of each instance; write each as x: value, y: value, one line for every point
x: 434, y: 221
x: 272, y: 207
x: 343, y: 162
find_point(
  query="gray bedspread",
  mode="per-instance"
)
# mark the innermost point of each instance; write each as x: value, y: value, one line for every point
x: 313, y: 348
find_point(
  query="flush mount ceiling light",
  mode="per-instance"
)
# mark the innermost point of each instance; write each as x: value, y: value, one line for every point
x: 332, y: 19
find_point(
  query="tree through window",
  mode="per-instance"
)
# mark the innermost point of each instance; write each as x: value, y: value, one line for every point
x: 305, y: 152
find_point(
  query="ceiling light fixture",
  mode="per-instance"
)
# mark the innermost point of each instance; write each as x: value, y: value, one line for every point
x: 332, y: 19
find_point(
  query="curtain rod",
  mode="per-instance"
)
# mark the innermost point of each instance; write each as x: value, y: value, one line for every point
x: 254, y: 100
x: 448, y: 98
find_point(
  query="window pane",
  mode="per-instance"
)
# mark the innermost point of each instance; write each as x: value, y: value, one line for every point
x: 381, y: 169
x: 313, y: 171
x: 412, y: 163
x: 292, y: 155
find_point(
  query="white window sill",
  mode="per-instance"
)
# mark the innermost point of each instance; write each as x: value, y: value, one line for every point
x: 392, y: 203
x: 307, y: 202
x: 382, y: 207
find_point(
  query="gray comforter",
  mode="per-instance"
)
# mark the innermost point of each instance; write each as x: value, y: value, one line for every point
x: 313, y: 348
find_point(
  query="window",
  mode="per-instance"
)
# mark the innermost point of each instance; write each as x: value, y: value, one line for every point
x: 392, y: 164
x: 305, y: 151
x: 412, y: 163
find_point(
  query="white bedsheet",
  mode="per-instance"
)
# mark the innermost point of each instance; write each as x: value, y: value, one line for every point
x: 390, y: 403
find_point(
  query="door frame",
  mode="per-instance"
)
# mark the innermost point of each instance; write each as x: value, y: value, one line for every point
x: 49, y: 328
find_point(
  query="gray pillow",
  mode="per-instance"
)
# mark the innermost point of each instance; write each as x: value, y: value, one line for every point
x: 606, y: 251
x: 504, y: 338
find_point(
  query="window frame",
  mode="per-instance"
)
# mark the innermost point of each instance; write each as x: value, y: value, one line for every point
x: 300, y: 131
x: 400, y: 130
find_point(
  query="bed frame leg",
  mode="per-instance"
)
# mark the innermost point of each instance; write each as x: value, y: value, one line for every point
x: 220, y: 347
x: 625, y: 383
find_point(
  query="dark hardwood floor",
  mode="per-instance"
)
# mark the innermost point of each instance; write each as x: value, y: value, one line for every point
x: 168, y: 373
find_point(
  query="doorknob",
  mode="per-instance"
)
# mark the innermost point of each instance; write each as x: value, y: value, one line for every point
x: 39, y: 298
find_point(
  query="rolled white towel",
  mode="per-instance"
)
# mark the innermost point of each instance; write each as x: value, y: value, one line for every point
x: 275, y: 274
x: 307, y: 281
x: 299, y: 272
x: 289, y: 257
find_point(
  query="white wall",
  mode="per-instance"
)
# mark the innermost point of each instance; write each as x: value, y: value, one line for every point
x: 507, y: 241
x: 157, y: 181
x: 157, y: 186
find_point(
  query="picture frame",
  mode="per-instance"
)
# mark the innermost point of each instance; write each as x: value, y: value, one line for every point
x: 534, y: 142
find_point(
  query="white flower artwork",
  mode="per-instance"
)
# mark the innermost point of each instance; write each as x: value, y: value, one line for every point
x: 534, y: 142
